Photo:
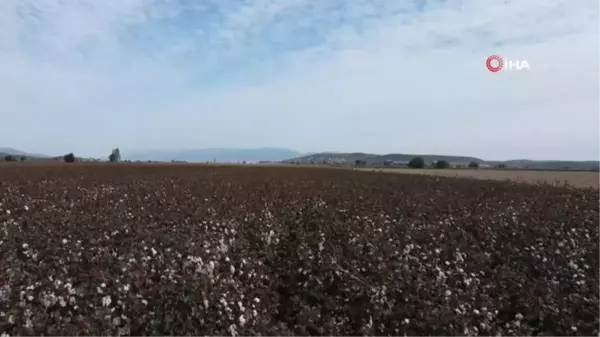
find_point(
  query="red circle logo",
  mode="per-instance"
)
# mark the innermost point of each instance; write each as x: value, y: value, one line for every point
x: 489, y: 63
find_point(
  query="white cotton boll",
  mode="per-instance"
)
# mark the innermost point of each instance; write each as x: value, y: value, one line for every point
x: 242, y: 320
x: 64, y: 241
x: 26, y: 208
x: 106, y: 301
x: 448, y: 293
x: 233, y: 330
x: 232, y: 269
x: 153, y: 251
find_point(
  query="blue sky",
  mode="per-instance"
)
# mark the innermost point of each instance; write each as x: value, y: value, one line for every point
x: 364, y: 75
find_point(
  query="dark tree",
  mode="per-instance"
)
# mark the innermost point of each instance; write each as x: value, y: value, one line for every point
x: 115, y: 156
x: 8, y: 157
x: 473, y: 164
x: 69, y: 158
x: 417, y: 162
x: 442, y: 164
x: 23, y: 158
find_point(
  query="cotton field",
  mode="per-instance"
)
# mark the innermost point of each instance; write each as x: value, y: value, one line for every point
x: 197, y: 250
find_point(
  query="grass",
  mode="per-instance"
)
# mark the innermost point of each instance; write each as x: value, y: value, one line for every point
x: 557, y: 178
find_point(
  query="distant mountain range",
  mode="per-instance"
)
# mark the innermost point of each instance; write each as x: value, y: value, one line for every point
x: 14, y: 152
x: 222, y: 155
x: 284, y: 155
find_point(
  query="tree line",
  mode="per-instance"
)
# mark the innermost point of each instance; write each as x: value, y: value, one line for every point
x: 9, y: 157
x: 114, y: 157
x: 419, y: 163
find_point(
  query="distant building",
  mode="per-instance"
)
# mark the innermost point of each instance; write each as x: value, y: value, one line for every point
x: 395, y: 162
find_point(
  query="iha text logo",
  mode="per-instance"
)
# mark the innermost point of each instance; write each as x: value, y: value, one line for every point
x: 495, y: 63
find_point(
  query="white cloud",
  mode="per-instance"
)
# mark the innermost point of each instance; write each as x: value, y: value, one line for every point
x: 375, y: 75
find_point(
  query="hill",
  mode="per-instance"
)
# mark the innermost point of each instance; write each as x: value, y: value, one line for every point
x: 283, y: 155
x: 222, y: 155
x: 17, y: 154
x: 4, y: 151
x: 402, y: 159
x: 375, y: 159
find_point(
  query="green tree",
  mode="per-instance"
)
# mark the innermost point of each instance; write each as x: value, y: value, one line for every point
x: 442, y: 164
x: 23, y: 158
x: 8, y: 157
x: 416, y: 162
x: 473, y: 164
x: 69, y: 158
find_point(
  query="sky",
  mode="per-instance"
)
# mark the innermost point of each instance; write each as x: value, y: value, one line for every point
x: 380, y: 76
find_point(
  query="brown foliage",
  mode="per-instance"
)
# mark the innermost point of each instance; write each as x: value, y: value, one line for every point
x: 168, y: 249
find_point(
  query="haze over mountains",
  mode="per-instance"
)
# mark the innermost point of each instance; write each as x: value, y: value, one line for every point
x: 272, y: 154
x: 14, y: 152
x: 223, y: 155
